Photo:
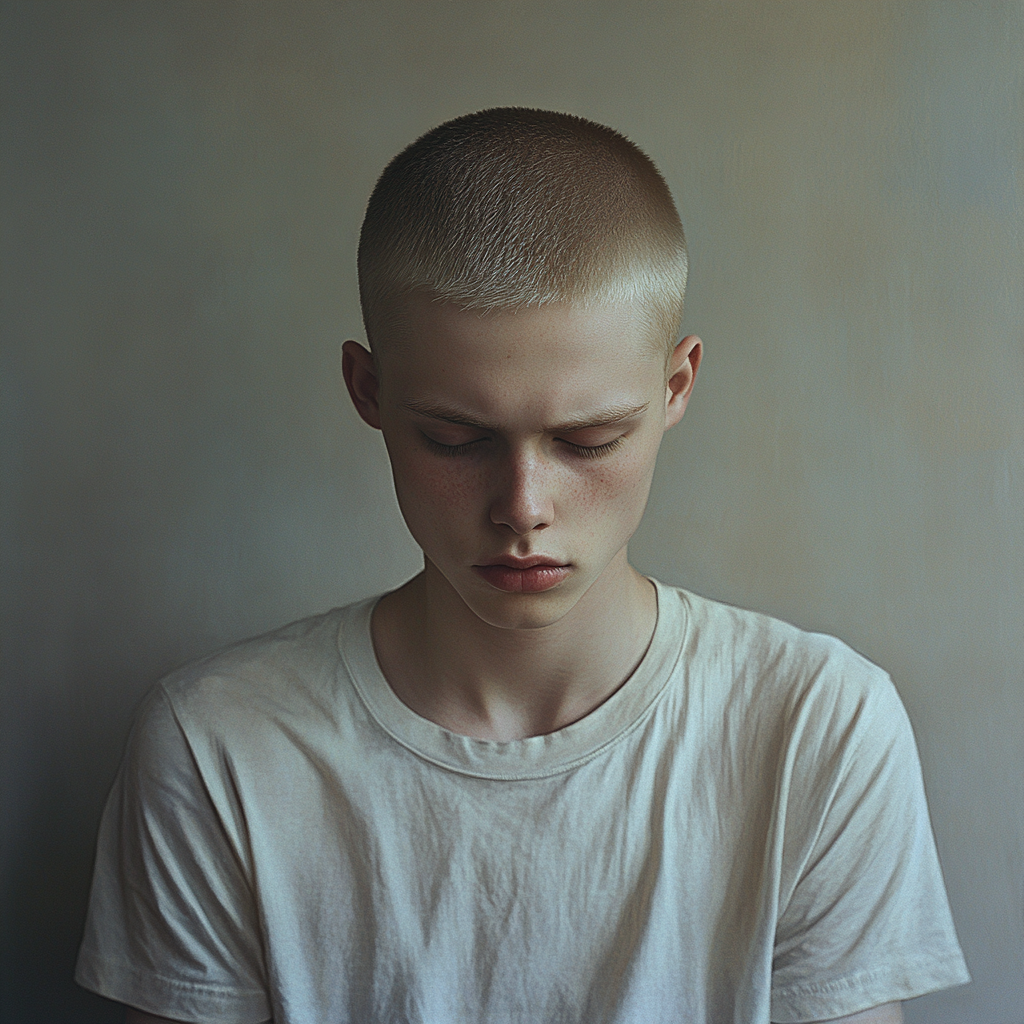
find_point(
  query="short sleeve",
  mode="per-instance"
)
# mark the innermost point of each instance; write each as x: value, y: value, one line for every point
x: 863, y: 915
x: 172, y: 927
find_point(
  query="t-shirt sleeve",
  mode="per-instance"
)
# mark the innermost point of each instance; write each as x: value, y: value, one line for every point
x: 172, y: 927
x: 863, y: 915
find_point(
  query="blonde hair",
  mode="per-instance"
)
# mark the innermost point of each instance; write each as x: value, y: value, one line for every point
x: 512, y: 207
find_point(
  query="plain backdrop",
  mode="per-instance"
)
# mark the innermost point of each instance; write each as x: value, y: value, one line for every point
x: 182, y: 187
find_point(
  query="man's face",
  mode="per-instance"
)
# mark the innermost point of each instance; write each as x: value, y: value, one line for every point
x: 522, y: 445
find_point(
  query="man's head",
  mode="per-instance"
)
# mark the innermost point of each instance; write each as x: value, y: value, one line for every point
x: 522, y: 279
x: 514, y: 208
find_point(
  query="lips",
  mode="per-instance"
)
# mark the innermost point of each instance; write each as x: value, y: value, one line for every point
x: 523, y: 575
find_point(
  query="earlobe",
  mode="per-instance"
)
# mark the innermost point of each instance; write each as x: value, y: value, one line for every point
x: 360, y: 373
x: 682, y: 372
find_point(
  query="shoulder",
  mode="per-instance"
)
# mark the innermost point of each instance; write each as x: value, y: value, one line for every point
x: 287, y: 673
x: 720, y: 635
x: 769, y: 674
x: 827, y: 723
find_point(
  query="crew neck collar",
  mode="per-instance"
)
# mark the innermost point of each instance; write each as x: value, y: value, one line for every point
x: 520, y: 759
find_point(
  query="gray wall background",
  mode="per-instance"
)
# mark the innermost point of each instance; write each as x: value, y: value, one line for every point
x: 182, y: 189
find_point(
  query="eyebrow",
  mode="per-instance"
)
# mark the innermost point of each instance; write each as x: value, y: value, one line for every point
x: 449, y: 414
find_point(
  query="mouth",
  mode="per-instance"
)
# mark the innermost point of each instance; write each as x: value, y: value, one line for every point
x: 530, y: 575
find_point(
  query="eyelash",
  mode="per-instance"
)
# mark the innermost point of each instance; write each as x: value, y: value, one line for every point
x: 448, y: 449
x: 583, y: 451
x: 594, y: 451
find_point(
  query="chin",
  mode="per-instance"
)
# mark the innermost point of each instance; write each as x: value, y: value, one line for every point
x: 521, y: 611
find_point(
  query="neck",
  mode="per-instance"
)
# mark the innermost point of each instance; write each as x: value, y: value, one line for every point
x: 480, y: 680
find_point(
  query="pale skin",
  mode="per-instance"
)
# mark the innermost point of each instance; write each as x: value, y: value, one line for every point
x: 551, y: 420
x: 517, y: 435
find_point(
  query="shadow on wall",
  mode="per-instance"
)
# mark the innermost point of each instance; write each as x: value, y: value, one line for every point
x: 62, y: 765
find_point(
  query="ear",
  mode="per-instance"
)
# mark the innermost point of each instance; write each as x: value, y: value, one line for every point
x: 360, y: 373
x: 682, y: 372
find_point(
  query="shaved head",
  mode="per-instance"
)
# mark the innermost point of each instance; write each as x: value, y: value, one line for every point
x: 511, y: 208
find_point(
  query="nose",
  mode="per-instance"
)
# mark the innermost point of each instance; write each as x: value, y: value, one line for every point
x: 523, y: 495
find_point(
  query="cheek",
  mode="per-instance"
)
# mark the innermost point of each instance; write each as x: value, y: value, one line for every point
x: 618, y: 492
x: 431, y: 492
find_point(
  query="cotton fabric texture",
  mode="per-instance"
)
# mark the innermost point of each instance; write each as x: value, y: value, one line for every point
x: 738, y: 834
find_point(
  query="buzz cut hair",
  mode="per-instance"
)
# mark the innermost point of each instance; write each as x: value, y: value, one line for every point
x: 511, y: 208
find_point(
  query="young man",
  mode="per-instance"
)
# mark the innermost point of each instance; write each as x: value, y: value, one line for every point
x: 530, y: 785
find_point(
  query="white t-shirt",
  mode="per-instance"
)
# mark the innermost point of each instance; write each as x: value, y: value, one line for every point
x: 738, y: 834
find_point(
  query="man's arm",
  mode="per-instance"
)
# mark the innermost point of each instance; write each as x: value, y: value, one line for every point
x: 133, y: 1016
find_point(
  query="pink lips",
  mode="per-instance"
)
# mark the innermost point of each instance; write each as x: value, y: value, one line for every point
x: 523, y: 575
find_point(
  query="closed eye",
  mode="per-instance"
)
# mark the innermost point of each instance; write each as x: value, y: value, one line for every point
x: 450, y: 449
x: 593, y: 451
x: 583, y: 451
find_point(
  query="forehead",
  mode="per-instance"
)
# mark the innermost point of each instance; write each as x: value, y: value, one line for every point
x: 560, y: 358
